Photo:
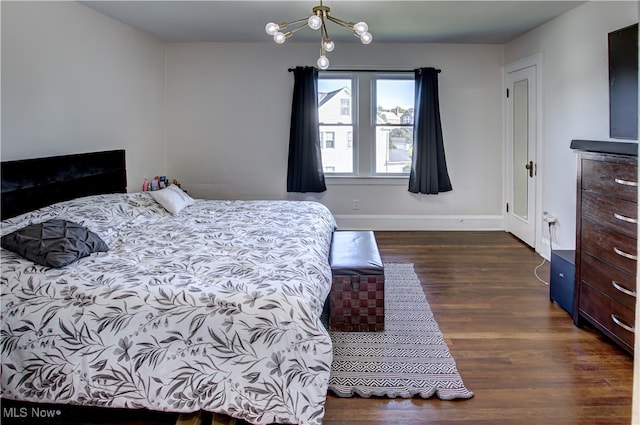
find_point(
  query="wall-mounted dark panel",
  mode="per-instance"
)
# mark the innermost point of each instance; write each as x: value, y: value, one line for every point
x: 623, y: 83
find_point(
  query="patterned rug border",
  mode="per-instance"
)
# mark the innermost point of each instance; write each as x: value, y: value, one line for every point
x: 409, y: 358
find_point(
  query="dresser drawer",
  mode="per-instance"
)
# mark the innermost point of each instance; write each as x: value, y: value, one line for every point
x: 614, y: 248
x: 615, y: 318
x: 612, y: 178
x: 613, y: 213
x: 618, y: 285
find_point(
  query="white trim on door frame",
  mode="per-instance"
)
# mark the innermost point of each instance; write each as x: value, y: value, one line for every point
x: 542, y: 247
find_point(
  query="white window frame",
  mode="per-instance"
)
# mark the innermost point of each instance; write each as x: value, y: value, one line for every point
x: 363, y: 137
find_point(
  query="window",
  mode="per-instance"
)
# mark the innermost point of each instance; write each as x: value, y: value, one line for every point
x: 336, y: 125
x: 345, y: 108
x: 327, y: 138
x: 366, y: 123
x: 394, y: 125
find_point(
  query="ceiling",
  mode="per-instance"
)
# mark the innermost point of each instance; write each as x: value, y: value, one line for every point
x: 449, y: 21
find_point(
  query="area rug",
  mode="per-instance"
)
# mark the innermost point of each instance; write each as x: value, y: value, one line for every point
x: 409, y: 358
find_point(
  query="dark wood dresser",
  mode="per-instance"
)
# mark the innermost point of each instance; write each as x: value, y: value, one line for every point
x: 606, y: 248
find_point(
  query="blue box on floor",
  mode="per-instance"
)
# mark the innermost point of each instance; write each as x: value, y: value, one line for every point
x: 563, y: 272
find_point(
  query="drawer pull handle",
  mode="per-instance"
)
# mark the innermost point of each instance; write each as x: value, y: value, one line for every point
x: 623, y: 289
x: 625, y: 218
x: 624, y: 254
x: 626, y: 182
x: 623, y: 325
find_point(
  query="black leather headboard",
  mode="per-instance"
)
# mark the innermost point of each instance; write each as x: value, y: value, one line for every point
x: 29, y: 184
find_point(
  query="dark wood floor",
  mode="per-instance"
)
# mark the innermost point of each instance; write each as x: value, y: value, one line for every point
x: 518, y: 352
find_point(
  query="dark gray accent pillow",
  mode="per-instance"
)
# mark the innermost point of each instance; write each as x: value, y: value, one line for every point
x: 53, y: 243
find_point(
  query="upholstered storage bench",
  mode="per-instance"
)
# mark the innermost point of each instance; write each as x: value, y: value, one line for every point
x: 356, y: 301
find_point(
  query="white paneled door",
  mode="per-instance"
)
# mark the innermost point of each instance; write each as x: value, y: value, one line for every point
x: 521, y: 153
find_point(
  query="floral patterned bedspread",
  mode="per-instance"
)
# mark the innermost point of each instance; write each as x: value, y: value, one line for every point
x: 215, y: 309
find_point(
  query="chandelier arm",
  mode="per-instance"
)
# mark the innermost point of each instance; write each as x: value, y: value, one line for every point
x: 290, y: 32
x: 340, y: 22
x: 284, y: 25
x: 324, y: 35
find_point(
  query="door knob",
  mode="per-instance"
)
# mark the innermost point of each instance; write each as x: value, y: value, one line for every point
x: 529, y: 167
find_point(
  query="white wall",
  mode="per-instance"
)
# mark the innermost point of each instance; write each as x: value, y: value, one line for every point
x: 74, y: 80
x: 575, y: 96
x: 228, y: 115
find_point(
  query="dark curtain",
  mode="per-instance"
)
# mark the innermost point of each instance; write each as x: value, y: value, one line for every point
x: 304, y: 173
x: 428, y: 167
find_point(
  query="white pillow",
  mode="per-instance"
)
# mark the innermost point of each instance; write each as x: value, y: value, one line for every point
x: 172, y: 198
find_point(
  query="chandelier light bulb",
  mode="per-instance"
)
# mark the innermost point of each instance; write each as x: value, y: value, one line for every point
x: 329, y: 46
x: 323, y: 62
x: 366, y: 38
x: 272, y: 28
x: 279, y: 37
x: 314, y: 22
x: 360, y: 28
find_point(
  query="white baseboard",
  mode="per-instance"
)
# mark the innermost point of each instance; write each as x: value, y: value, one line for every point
x: 419, y: 222
x: 545, y: 249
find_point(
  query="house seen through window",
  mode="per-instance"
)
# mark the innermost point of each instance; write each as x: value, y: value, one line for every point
x: 366, y: 123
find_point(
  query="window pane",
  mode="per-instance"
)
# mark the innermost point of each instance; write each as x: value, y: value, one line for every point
x: 337, y: 152
x: 394, y: 146
x: 334, y: 101
x: 335, y: 112
x: 394, y: 125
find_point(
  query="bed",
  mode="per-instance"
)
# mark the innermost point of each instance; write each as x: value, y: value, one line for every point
x: 216, y: 308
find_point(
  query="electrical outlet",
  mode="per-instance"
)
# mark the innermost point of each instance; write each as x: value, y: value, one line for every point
x: 549, y: 218
x: 356, y: 204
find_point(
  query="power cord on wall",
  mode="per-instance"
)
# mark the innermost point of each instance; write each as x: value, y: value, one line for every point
x: 544, y: 260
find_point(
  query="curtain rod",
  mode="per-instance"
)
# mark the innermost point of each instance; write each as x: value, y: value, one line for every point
x: 367, y: 70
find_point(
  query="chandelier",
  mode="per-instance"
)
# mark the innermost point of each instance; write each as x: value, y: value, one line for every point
x: 317, y: 21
